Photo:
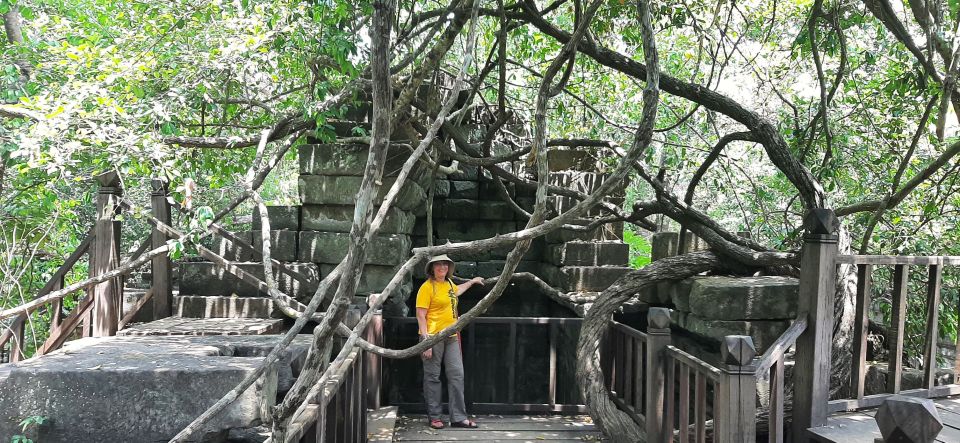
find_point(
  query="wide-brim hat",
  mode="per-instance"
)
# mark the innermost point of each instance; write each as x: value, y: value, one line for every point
x: 435, y: 259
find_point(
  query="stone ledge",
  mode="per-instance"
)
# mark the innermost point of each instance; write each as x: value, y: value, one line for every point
x: 339, y: 218
x: 204, y: 326
x: 195, y: 306
x: 136, y: 389
x: 205, y: 278
x: 580, y: 253
x: 745, y: 298
x: 331, y: 248
x: 764, y: 333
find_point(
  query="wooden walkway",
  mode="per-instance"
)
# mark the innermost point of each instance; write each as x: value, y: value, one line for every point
x: 860, y: 427
x: 501, y: 428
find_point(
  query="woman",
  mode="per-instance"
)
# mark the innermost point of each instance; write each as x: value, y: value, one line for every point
x: 437, y: 309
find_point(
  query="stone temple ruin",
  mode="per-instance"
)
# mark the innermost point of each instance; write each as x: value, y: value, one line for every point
x: 313, y: 236
x: 148, y: 359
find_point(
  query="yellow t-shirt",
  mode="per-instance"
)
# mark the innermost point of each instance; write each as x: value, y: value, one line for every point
x: 440, y: 301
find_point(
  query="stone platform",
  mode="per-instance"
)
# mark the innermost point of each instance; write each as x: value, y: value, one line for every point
x: 140, y: 389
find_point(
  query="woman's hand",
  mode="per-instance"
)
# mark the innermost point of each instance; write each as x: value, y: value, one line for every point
x: 476, y: 281
x: 428, y: 354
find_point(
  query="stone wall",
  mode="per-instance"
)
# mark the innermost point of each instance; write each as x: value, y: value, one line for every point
x: 314, y: 236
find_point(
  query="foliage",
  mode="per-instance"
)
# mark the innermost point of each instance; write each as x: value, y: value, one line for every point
x: 29, y: 426
x: 112, y: 80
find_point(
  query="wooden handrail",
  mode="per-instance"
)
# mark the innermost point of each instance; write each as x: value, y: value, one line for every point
x: 950, y: 260
x: 68, y: 264
x: 246, y: 247
x: 136, y: 308
x: 779, y: 347
x: 713, y: 373
x: 61, y: 332
x: 10, y: 331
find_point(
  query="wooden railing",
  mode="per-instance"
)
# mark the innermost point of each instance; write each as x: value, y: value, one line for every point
x: 339, y: 412
x: 675, y: 396
x: 499, y: 364
x: 934, y: 267
x: 98, y: 310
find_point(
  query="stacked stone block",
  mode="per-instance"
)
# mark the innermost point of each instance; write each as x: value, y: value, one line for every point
x: 715, y: 306
x: 330, y: 177
x: 583, y: 261
x: 467, y: 207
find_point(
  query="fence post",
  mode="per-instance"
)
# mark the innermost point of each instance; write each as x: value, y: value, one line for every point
x: 106, y: 256
x: 658, y: 338
x: 737, y: 421
x: 817, y: 286
x: 160, y: 266
x: 372, y: 364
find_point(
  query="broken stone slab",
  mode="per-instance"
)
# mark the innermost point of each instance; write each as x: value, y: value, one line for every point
x: 205, y: 278
x: 586, y: 182
x: 195, y: 306
x: 493, y: 268
x: 663, y: 245
x: 466, y: 189
x: 457, y: 209
x: 581, y: 278
x: 495, y: 210
x: 342, y: 190
x: 465, y: 230
x: 136, y: 389
x: 607, y: 232
x: 745, y: 298
x: 339, y: 218
x: 466, y: 172
x: 283, y: 244
x: 680, y: 293
x: 346, y: 159
x: 280, y: 217
x: 331, y: 247
x: 205, y: 326
x: 441, y: 188
x: 763, y: 332
x: 374, y: 278
x: 580, y: 253
x: 228, y: 249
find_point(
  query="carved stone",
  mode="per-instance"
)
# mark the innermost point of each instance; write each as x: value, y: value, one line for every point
x: 820, y: 222
x: 658, y: 318
x: 908, y: 420
x: 737, y: 350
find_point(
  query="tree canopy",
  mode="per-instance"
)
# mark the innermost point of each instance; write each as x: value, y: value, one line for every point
x: 765, y: 109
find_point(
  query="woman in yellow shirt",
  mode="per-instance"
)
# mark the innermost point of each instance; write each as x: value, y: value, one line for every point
x: 436, y: 310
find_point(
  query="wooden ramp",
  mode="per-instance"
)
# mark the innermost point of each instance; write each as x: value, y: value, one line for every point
x: 501, y: 428
x: 860, y: 427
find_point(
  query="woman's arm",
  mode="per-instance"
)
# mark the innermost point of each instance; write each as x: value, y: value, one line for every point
x: 463, y: 287
x: 422, y: 321
x: 422, y: 328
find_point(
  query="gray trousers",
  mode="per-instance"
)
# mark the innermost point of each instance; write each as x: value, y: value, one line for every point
x: 447, y: 352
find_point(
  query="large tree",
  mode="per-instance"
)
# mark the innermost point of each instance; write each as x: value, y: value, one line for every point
x: 728, y: 117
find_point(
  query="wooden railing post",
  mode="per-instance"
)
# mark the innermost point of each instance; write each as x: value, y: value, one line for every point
x: 106, y: 256
x: 17, y: 344
x: 160, y: 266
x: 372, y: 365
x: 658, y: 338
x: 737, y: 420
x: 817, y: 286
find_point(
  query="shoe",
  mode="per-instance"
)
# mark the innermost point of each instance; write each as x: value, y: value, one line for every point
x: 436, y: 424
x: 464, y: 424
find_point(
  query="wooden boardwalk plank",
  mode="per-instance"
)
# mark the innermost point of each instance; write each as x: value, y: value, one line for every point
x: 860, y: 427
x: 506, y: 428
